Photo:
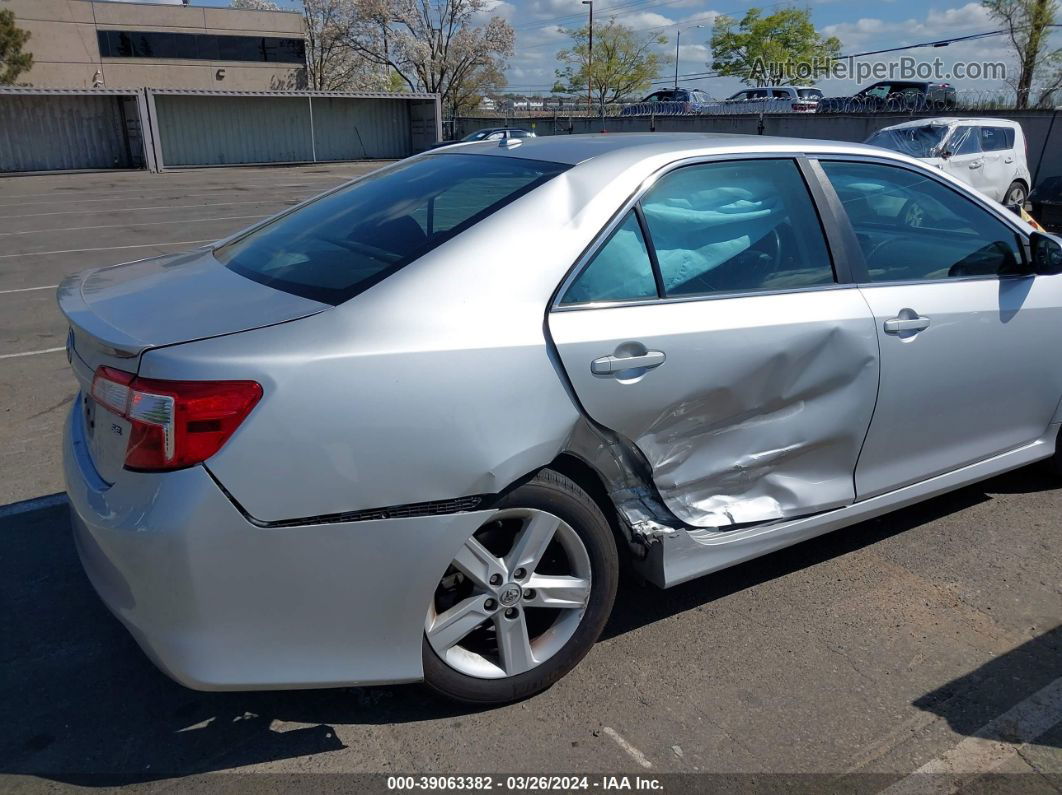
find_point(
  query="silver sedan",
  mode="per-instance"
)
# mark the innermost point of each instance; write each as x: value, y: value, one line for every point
x: 409, y: 429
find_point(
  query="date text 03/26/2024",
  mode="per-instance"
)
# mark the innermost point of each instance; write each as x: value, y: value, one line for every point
x: 522, y: 783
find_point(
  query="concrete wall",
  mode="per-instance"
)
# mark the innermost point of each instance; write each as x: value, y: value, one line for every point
x: 1043, y: 129
x: 66, y: 52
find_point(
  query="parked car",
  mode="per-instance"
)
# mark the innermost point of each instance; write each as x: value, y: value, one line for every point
x: 1045, y: 201
x: 498, y: 133
x: 893, y: 96
x: 769, y: 99
x: 669, y: 102
x: 352, y: 445
x: 988, y: 154
x: 489, y: 134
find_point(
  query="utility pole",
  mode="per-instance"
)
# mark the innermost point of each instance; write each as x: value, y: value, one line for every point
x: 678, y: 38
x: 590, y: 61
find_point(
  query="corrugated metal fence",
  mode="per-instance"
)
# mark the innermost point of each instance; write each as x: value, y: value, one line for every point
x: 55, y: 130
x: 45, y: 130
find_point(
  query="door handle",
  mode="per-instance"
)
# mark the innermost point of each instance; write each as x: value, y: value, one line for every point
x: 1009, y: 160
x: 897, y: 325
x: 607, y: 365
x: 976, y: 164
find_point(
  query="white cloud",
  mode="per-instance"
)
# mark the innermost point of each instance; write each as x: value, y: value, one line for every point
x: 641, y: 21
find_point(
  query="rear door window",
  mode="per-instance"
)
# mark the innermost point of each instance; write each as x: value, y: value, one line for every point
x: 994, y: 139
x: 346, y: 241
x: 736, y: 226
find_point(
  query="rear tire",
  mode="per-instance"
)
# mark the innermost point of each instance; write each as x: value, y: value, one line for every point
x: 474, y: 668
x: 1016, y: 194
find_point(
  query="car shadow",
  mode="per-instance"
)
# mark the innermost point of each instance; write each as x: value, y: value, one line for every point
x: 979, y: 698
x: 633, y: 609
x: 81, y: 704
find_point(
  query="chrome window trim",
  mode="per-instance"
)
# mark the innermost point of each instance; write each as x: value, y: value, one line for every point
x: 975, y: 198
x: 683, y: 299
x: 646, y: 185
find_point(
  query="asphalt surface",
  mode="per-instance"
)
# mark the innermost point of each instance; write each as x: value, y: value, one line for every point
x: 927, y: 640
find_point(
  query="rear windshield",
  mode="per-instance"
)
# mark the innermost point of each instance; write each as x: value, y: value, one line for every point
x: 346, y: 241
x: 913, y: 141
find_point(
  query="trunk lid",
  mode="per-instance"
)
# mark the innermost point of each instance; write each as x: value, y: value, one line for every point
x: 117, y: 313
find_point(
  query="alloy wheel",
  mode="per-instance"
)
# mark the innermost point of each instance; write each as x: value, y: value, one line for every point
x: 513, y: 596
x: 1016, y: 195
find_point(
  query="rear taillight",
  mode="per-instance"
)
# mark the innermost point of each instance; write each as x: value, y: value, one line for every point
x: 174, y: 424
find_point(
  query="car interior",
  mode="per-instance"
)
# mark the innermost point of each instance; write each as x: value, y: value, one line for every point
x: 911, y: 227
x: 736, y: 226
x: 715, y: 228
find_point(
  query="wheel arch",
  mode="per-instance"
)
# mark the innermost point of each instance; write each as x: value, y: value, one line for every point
x: 593, y: 483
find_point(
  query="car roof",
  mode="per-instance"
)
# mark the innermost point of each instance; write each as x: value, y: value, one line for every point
x: 950, y: 120
x: 627, y: 149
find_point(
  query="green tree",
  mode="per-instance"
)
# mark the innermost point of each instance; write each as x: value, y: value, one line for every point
x: 1028, y: 24
x: 624, y: 62
x: 778, y: 49
x: 13, y: 61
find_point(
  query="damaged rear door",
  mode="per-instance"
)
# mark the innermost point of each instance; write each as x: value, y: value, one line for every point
x: 707, y: 327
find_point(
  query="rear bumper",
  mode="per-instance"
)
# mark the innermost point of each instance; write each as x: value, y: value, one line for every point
x: 219, y: 603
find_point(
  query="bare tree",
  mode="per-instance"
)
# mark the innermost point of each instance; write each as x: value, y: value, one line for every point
x: 434, y: 45
x: 332, y: 63
x: 1028, y: 23
x: 254, y: 5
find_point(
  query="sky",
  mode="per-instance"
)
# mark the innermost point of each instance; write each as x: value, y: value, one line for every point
x: 861, y: 26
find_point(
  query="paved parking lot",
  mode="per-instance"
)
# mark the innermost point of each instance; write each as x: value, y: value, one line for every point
x: 928, y: 640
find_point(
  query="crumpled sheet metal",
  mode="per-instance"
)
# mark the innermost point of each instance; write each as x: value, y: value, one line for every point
x: 778, y: 437
x: 627, y: 480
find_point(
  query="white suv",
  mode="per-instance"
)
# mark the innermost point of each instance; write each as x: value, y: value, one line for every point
x: 988, y: 154
x: 770, y: 99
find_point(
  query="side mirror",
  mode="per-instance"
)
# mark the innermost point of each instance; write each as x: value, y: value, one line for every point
x: 1046, y: 254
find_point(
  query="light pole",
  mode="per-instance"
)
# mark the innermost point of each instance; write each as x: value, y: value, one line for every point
x: 678, y: 38
x: 590, y: 61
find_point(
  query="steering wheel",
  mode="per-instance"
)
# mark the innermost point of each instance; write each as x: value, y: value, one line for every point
x: 760, y: 270
x: 364, y: 248
x: 912, y: 214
